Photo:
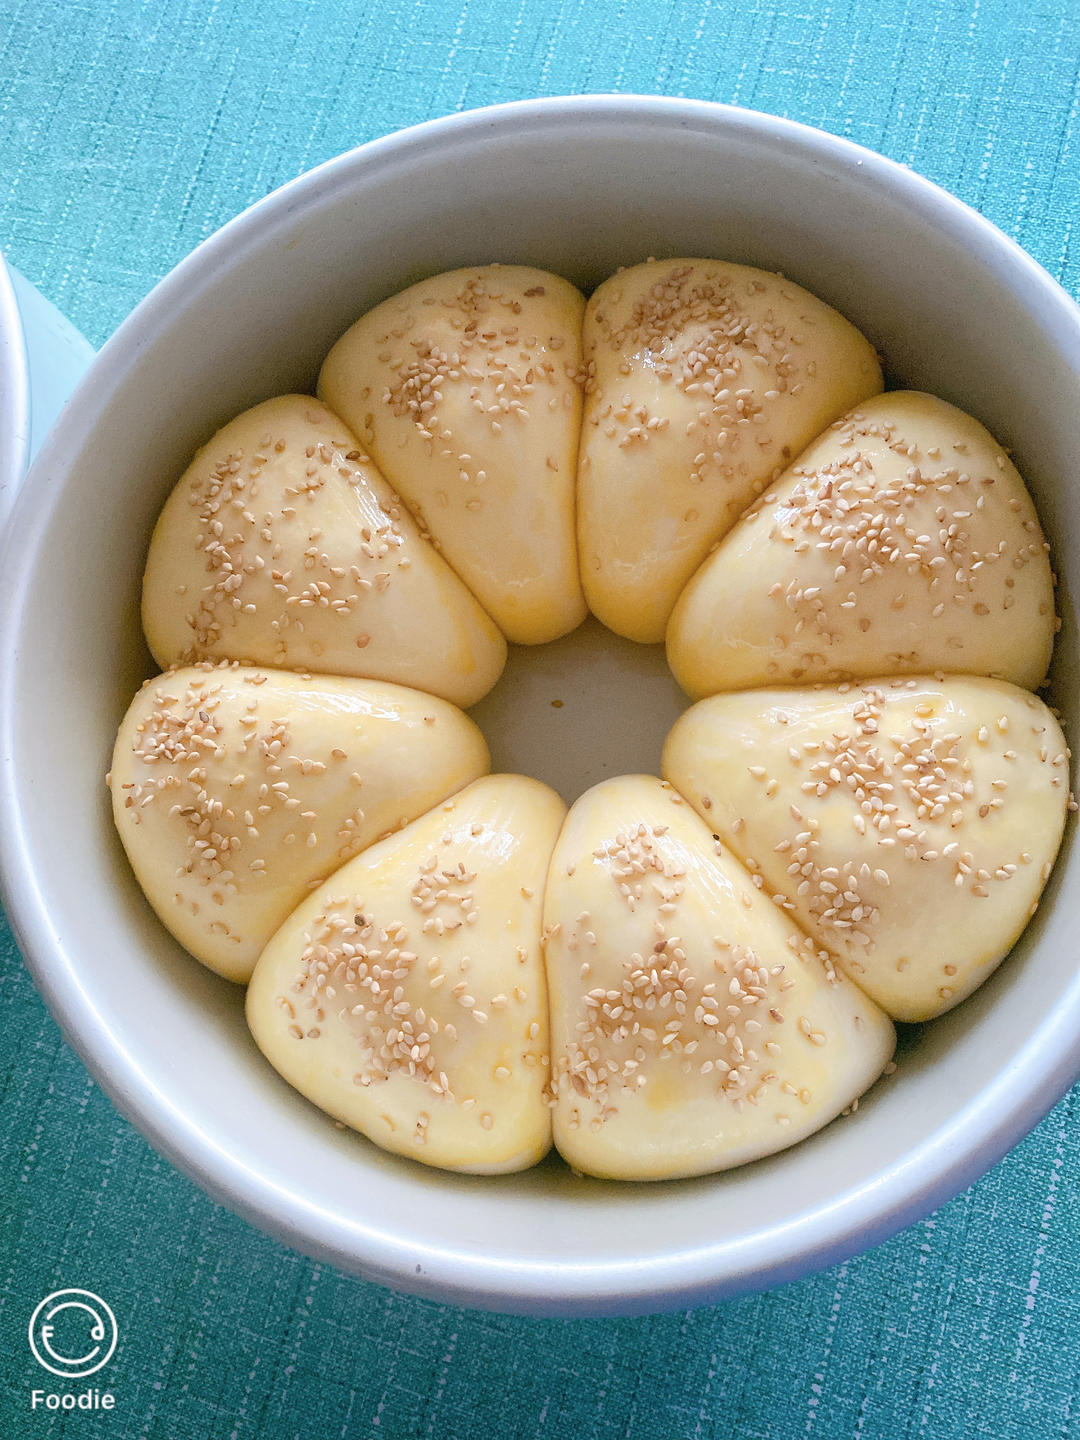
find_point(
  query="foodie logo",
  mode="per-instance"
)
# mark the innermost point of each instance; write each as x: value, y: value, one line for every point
x: 72, y: 1333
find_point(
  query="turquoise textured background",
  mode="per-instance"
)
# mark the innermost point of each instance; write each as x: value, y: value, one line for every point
x: 128, y: 132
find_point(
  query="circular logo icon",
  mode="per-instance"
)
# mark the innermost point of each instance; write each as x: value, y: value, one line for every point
x: 72, y: 1333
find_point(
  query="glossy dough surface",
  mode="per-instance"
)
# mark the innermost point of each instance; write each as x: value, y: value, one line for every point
x: 234, y: 789
x: 705, y: 380
x: 910, y: 825
x: 693, y: 1026
x: 407, y: 996
x: 903, y: 541
x: 283, y: 545
x: 466, y: 389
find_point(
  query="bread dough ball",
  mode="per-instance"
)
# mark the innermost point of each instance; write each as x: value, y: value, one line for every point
x: 235, y: 790
x: 283, y: 545
x: 693, y: 1026
x: 467, y: 390
x: 704, y: 381
x: 407, y: 997
x: 908, y: 825
x: 902, y: 542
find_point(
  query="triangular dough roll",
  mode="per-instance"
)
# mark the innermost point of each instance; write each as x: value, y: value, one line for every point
x: 705, y: 380
x: 283, y: 545
x: 467, y: 390
x: 693, y: 1026
x: 908, y: 825
x: 235, y: 790
x: 407, y: 997
x: 902, y: 542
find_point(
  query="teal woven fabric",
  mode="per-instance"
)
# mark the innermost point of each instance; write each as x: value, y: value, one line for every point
x: 129, y: 130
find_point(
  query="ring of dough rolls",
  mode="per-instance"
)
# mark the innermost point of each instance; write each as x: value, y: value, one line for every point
x: 681, y: 974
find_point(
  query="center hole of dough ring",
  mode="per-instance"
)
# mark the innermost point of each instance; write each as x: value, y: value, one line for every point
x: 580, y: 710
